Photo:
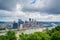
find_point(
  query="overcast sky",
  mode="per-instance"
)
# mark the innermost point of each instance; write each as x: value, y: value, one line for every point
x: 42, y: 10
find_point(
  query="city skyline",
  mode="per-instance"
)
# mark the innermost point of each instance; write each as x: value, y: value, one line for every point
x: 42, y: 10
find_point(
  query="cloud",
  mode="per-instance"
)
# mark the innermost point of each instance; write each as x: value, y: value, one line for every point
x: 9, y: 16
x: 48, y: 6
x: 27, y: 6
x: 43, y: 10
x: 8, y: 5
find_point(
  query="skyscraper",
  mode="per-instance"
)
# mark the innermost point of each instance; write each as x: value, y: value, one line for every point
x: 15, y: 25
x: 20, y: 22
x: 30, y: 19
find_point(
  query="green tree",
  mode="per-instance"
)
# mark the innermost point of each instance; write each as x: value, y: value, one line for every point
x: 50, y: 32
x: 34, y: 36
x: 57, y: 28
x: 55, y: 36
x: 3, y: 37
x: 23, y: 36
x: 11, y: 35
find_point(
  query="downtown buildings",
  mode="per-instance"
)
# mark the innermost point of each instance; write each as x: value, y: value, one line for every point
x: 31, y: 23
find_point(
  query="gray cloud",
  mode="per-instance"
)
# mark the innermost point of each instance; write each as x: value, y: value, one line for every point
x: 48, y: 6
x: 54, y: 7
x: 8, y: 5
x: 41, y: 7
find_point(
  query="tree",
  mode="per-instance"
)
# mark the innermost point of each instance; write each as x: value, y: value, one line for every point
x: 50, y: 32
x: 55, y: 36
x: 34, y: 36
x: 11, y: 35
x: 3, y: 37
x: 57, y: 28
x: 23, y: 36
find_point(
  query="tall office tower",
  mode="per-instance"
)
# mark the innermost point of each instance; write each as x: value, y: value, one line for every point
x: 26, y: 22
x: 15, y: 25
x: 20, y: 22
x: 30, y: 20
